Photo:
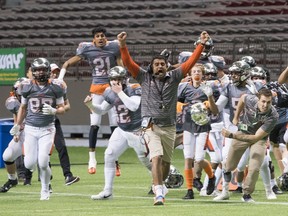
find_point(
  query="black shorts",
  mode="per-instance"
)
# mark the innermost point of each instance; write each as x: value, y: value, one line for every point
x: 277, y: 134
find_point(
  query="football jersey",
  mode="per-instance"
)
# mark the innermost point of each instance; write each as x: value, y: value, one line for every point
x: 12, y: 104
x: 127, y: 120
x: 191, y: 95
x: 36, y: 97
x: 234, y: 93
x: 100, y: 59
x: 254, y: 120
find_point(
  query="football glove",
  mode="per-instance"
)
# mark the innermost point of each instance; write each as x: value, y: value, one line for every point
x: 48, y: 110
x: 15, y: 130
x: 251, y: 86
x: 206, y: 88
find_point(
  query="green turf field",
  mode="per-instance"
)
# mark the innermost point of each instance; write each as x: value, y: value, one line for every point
x: 130, y: 193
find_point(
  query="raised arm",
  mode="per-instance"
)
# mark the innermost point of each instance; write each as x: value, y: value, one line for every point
x: 283, y: 78
x: 128, y: 62
x: 186, y: 66
x: 68, y: 63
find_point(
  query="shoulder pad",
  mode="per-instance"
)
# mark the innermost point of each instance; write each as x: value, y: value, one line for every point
x: 84, y: 44
x: 136, y: 85
x: 25, y: 87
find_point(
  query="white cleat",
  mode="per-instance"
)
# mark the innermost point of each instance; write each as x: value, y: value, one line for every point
x: 104, y: 195
x: 45, y: 195
x: 223, y: 196
x: 271, y: 195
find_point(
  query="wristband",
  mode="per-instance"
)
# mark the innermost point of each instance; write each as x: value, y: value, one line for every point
x: 231, y: 136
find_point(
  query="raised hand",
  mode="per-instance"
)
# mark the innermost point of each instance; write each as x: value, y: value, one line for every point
x: 122, y: 39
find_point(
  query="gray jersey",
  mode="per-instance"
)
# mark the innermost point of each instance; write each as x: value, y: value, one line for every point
x: 192, y: 95
x: 127, y: 120
x: 36, y: 97
x: 233, y: 93
x: 100, y: 59
x: 159, y: 98
x: 12, y: 104
x: 254, y: 120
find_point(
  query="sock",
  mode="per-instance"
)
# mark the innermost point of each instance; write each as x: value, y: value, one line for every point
x: 158, y: 190
x: 12, y: 176
x: 92, y: 158
x: 208, y: 170
x: 218, y: 174
x: 273, y: 182
x: 239, y: 184
x: 189, y: 178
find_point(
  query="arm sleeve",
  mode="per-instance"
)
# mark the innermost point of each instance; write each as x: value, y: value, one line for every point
x: 132, y: 103
x: 128, y: 62
x: 102, y: 108
x: 186, y: 66
x: 221, y: 102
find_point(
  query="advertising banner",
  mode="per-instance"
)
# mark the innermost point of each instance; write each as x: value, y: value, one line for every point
x: 12, y: 65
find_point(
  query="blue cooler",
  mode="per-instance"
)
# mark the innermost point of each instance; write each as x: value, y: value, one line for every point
x: 5, y: 137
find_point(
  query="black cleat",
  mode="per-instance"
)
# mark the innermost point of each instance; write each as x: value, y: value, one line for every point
x: 9, y: 184
x: 27, y: 181
x: 211, y: 185
x: 197, y: 184
x: 71, y: 179
x: 189, y: 195
x: 238, y: 190
x: 277, y: 190
x: 50, y: 189
x: 247, y: 198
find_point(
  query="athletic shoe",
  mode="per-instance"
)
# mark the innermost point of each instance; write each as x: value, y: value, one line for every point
x: 71, y: 179
x: 151, y: 192
x: 238, y: 190
x: 159, y: 200
x: 27, y: 181
x: 118, y: 170
x: 103, y: 195
x: 9, y: 184
x: 189, y: 194
x: 271, y: 195
x: 211, y: 185
x: 277, y: 190
x: 223, y: 196
x: 247, y: 198
x: 197, y: 184
x: 92, y: 167
x: 50, y: 188
x: 45, y: 195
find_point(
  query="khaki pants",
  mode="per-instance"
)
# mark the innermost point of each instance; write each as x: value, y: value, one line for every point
x: 161, y: 141
x: 256, y: 157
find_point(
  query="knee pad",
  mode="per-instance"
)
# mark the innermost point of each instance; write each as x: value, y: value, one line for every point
x: 8, y: 163
x: 227, y: 176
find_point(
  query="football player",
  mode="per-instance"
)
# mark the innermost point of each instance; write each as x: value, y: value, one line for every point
x: 14, y: 149
x: 41, y: 99
x: 126, y: 100
x: 196, y: 131
x: 101, y: 55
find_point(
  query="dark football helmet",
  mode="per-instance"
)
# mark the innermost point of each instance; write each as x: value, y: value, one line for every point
x: 210, y: 71
x: 249, y: 60
x: 166, y: 54
x: 258, y: 72
x: 239, y: 68
x: 118, y: 73
x: 208, y: 48
x: 283, y: 182
x: 41, y: 69
x: 174, y: 179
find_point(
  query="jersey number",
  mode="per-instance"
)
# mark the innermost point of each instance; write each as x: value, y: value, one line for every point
x: 102, y: 65
x: 36, y: 104
x: 123, y: 116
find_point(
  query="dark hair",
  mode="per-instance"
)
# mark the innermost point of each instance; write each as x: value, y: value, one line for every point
x: 150, y: 67
x: 98, y: 29
x: 264, y: 91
